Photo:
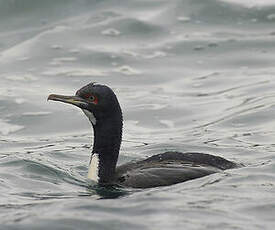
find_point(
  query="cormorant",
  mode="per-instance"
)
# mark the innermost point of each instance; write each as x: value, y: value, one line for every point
x: 100, y: 105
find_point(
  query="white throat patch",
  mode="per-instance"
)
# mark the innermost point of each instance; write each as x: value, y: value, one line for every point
x: 90, y: 115
x: 93, y: 173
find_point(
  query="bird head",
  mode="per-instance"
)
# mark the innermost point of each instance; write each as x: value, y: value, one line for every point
x: 98, y: 102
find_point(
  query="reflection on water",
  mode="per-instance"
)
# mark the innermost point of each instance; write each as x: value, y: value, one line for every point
x: 190, y: 76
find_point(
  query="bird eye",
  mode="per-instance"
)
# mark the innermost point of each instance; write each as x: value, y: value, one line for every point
x: 92, y: 98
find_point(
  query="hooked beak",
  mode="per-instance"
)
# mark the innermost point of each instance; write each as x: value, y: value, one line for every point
x: 73, y: 100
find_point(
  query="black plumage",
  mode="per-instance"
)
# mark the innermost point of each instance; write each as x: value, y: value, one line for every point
x: 101, y: 106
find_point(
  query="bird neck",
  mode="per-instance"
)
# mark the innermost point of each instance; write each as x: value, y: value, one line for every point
x: 107, y: 140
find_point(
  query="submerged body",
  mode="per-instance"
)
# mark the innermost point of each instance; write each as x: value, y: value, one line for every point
x: 100, y: 105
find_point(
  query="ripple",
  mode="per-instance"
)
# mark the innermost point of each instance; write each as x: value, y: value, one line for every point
x: 271, y: 17
x: 40, y: 172
x: 39, y: 113
x: 110, y: 32
x: 19, y: 100
x: 24, y: 77
x: 183, y: 19
x: 190, y: 76
x: 155, y: 54
x: 61, y: 60
x: 7, y: 128
x: 57, y: 47
x: 74, y: 72
x: 127, y: 70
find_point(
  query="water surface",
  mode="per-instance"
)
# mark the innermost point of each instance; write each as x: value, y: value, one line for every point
x: 190, y: 76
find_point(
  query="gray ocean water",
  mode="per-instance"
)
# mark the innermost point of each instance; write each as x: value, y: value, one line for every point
x: 191, y: 75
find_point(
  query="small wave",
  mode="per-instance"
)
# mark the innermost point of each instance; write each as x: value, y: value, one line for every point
x: 74, y: 72
x: 127, y: 70
x: 24, y: 77
x: 41, y: 172
x: 110, y: 32
x: 61, y: 60
x: 39, y: 113
x: 7, y: 128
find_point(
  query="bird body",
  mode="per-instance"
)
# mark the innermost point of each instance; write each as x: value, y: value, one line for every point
x: 169, y: 168
x: 100, y: 105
